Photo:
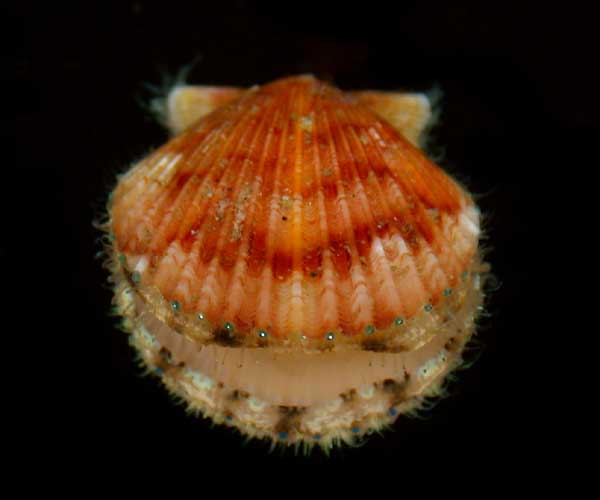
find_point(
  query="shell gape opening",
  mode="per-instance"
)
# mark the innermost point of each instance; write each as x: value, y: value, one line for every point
x: 295, y: 378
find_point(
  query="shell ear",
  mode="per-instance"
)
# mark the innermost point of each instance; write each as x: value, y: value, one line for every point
x: 408, y: 113
x: 186, y: 104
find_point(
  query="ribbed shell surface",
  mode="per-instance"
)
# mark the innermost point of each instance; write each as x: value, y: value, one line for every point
x: 294, y: 210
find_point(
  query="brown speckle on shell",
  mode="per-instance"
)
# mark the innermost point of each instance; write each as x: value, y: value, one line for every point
x: 225, y: 338
x: 348, y: 396
x: 397, y: 390
x: 236, y: 394
x: 452, y: 345
x: 289, y: 420
x: 375, y: 345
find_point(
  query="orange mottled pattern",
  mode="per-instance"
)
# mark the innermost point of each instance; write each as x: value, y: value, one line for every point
x: 294, y: 208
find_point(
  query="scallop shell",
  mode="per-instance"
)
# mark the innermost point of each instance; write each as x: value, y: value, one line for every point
x: 296, y: 219
x: 294, y: 211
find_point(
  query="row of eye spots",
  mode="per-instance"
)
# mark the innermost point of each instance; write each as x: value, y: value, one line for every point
x: 229, y: 327
x: 226, y: 332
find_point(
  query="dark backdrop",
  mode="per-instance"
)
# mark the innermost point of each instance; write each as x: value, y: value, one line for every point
x: 517, y: 85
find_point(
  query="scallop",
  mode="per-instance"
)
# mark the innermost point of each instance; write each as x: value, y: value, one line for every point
x: 291, y: 263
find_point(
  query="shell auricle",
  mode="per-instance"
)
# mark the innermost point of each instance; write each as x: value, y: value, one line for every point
x: 291, y: 263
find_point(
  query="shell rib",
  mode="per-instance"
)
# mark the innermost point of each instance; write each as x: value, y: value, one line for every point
x: 294, y: 216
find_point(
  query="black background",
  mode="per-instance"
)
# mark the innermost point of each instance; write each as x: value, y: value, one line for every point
x: 519, y: 93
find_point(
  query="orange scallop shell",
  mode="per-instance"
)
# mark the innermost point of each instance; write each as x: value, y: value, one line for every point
x: 293, y: 213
